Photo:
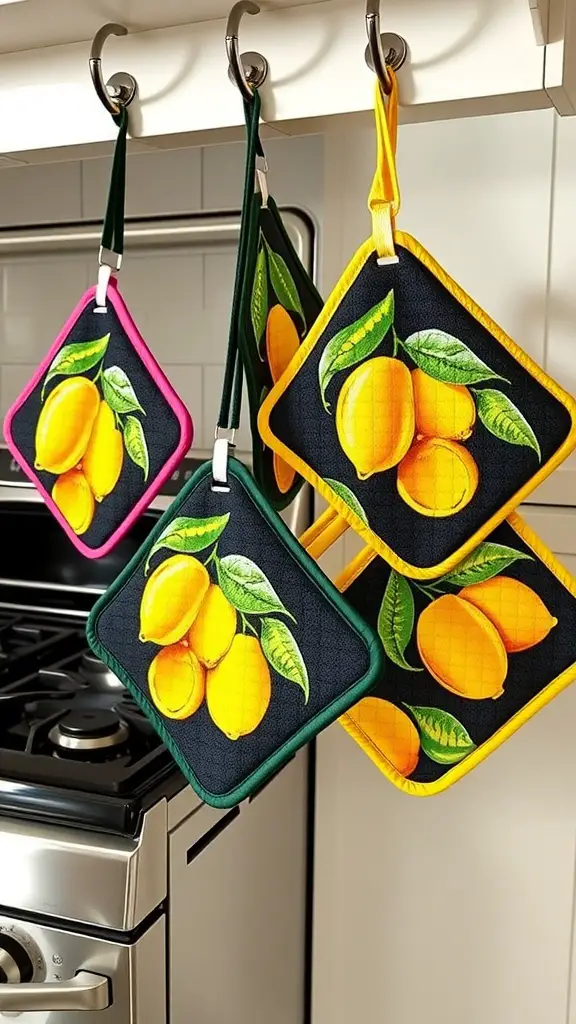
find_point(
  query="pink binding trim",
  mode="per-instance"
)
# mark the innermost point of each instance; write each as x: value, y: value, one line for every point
x: 164, y: 386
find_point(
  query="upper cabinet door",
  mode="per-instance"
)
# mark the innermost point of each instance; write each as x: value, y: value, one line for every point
x: 470, y: 57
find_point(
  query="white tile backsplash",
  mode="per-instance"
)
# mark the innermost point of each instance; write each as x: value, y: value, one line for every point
x: 219, y: 272
x: 164, y: 294
x: 295, y: 173
x: 40, y: 194
x: 12, y: 381
x: 37, y: 297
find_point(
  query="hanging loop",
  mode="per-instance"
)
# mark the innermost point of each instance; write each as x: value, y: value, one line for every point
x: 119, y: 90
x: 384, y: 50
x: 249, y: 70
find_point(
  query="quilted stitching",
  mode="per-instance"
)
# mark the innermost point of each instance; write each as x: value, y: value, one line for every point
x: 342, y: 654
x: 539, y: 674
x: 443, y: 541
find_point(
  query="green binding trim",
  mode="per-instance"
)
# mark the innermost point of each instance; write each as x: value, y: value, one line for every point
x: 316, y: 578
x: 305, y: 286
x: 113, y: 227
x: 229, y: 416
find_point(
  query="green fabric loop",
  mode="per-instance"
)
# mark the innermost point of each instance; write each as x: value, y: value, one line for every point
x: 113, y: 227
x: 229, y: 417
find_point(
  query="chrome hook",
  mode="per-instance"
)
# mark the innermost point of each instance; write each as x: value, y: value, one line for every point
x: 249, y: 70
x: 119, y: 90
x: 384, y: 50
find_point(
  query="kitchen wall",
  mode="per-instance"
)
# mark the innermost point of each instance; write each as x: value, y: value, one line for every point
x: 180, y: 302
x: 459, y: 908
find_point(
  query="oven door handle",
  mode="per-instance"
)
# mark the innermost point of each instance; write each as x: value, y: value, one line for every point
x: 85, y: 991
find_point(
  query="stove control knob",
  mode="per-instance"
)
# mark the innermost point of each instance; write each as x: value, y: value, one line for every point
x: 15, y: 963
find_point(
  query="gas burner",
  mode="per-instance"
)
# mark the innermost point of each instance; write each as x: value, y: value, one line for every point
x: 89, y: 732
x: 98, y: 674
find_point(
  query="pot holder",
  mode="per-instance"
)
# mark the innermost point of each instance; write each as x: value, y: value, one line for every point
x: 228, y: 635
x: 99, y: 428
x: 279, y: 304
x: 407, y: 407
x: 470, y: 657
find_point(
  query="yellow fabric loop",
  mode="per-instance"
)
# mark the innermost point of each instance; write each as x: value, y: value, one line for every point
x: 384, y: 198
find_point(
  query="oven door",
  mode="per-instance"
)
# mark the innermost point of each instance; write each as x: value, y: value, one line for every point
x: 78, y: 978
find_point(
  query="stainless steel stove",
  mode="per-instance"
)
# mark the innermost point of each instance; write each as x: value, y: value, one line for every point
x: 120, y: 892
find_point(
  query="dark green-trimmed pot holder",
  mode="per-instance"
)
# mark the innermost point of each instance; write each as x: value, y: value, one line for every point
x: 278, y: 306
x: 228, y: 635
x: 222, y: 582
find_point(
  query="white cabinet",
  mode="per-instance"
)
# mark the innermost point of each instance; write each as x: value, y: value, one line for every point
x: 470, y: 57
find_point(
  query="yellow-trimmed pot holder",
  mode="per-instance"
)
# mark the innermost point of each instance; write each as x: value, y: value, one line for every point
x: 416, y: 417
x: 470, y: 657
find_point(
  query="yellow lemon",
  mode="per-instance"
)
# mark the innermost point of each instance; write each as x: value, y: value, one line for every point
x: 437, y: 477
x: 283, y: 474
x: 375, y: 415
x: 442, y: 410
x: 171, y: 599
x: 73, y: 497
x: 238, y: 690
x: 282, y: 340
x: 461, y: 648
x: 102, y: 461
x: 520, y: 616
x: 177, y: 681
x: 65, y: 424
x: 213, y: 628
x: 390, y: 731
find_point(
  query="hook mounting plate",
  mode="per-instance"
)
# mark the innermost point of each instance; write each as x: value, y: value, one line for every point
x: 395, y: 49
x: 121, y: 87
x: 255, y: 69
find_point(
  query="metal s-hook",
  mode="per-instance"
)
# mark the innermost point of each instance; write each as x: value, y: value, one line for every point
x: 119, y: 90
x: 249, y: 70
x: 384, y: 50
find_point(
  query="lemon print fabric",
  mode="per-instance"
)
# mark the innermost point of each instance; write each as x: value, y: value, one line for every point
x: 280, y: 304
x: 234, y: 627
x: 418, y: 420
x: 234, y: 643
x: 98, y: 425
x: 468, y: 655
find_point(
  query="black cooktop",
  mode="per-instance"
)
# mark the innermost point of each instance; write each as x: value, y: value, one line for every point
x: 74, y: 748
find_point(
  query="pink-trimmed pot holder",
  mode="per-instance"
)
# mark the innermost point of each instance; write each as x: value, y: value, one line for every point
x: 99, y: 428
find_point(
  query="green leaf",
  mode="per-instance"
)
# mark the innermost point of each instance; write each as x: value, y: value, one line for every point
x: 396, y: 620
x: 135, y: 444
x: 118, y: 391
x: 444, y: 739
x: 283, y: 283
x: 283, y: 653
x: 486, y: 561
x: 187, y: 535
x: 349, y: 498
x: 446, y: 358
x: 247, y: 588
x: 501, y: 417
x: 77, y: 357
x: 352, y: 344
x: 259, y: 300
